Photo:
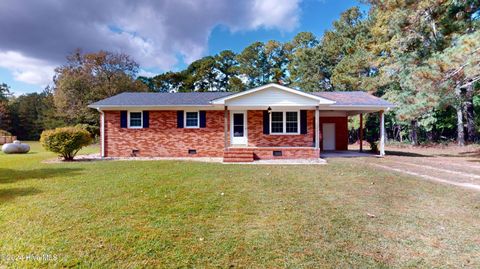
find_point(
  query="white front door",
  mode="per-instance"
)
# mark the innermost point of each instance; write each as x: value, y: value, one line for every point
x: 328, y: 134
x: 238, y: 127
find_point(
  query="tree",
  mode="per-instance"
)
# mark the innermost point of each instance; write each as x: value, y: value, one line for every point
x: 201, y: 75
x: 4, y: 92
x: 277, y: 60
x: 305, y: 62
x: 166, y: 82
x: 340, y: 61
x: 405, y: 35
x: 89, y: 77
x: 5, y: 119
x: 32, y: 113
x: 458, y: 70
x: 227, y: 67
x: 254, y: 65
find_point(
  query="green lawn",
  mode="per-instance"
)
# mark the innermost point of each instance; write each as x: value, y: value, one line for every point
x: 188, y: 214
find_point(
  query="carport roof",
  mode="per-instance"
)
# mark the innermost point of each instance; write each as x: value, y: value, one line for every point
x: 353, y: 98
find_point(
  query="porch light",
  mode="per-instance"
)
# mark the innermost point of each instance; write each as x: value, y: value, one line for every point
x: 269, y: 109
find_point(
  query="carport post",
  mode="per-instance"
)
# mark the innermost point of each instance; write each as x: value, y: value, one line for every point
x: 382, y: 133
x: 361, y: 132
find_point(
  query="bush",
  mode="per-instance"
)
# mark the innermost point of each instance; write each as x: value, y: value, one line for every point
x: 66, y: 141
x: 374, y: 146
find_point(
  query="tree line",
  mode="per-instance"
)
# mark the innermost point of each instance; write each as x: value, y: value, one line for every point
x: 422, y: 55
x: 83, y: 79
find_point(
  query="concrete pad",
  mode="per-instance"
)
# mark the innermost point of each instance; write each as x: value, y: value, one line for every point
x: 285, y: 162
x: 346, y: 154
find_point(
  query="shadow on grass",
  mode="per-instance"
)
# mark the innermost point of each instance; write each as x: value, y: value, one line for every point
x: 465, y: 154
x: 405, y: 154
x: 11, y: 175
x: 10, y: 194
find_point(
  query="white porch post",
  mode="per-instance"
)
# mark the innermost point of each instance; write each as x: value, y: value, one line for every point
x: 361, y: 132
x: 226, y: 127
x: 317, y: 128
x: 382, y: 133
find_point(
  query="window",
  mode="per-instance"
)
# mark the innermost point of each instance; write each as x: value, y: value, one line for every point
x: 284, y: 122
x: 191, y: 120
x: 135, y: 120
x: 277, y: 122
x: 291, y: 122
x: 238, y: 125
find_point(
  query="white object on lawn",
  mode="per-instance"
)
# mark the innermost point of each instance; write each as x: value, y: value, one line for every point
x: 15, y: 147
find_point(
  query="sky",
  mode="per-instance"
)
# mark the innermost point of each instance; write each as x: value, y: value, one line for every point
x: 161, y: 35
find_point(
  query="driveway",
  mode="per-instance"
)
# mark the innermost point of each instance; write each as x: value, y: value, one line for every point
x: 459, y: 166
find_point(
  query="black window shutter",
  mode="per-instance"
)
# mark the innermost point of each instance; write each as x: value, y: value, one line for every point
x: 180, y: 119
x: 146, y: 119
x: 123, y: 119
x: 303, y: 121
x: 203, y: 119
x: 266, y: 122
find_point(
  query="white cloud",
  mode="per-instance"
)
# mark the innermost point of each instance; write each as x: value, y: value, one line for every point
x: 25, y: 69
x: 145, y: 73
x: 153, y: 32
x: 282, y: 14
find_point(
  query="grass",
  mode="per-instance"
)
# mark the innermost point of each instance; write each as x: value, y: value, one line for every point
x: 187, y: 214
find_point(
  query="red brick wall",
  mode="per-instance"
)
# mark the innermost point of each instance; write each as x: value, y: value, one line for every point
x: 163, y: 138
x: 256, y: 138
x: 287, y: 153
x: 341, y: 131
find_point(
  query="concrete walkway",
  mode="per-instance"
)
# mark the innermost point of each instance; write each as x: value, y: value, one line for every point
x: 285, y: 162
x: 346, y: 154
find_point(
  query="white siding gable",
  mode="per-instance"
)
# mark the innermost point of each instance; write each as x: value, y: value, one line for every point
x: 272, y: 96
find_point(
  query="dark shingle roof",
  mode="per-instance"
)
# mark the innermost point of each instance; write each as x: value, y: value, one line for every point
x: 160, y: 99
x: 354, y: 98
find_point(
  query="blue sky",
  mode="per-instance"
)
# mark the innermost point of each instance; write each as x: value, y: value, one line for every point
x: 316, y: 16
x: 158, y: 43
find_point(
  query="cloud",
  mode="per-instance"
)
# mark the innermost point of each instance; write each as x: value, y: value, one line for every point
x: 275, y: 14
x: 25, y: 69
x: 39, y: 34
x: 145, y: 73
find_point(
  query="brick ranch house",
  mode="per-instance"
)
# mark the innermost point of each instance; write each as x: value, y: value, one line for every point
x: 268, y: 122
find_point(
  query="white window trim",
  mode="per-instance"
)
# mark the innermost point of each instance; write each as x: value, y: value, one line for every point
x: 185, y: 119
x: 141, y: 120
x: 284, y: 120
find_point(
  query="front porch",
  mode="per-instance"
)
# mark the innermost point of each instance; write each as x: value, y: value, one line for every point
x: 249, y: 137
x: 276, y: 122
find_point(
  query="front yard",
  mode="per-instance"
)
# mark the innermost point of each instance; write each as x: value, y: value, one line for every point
x: 188, y: 214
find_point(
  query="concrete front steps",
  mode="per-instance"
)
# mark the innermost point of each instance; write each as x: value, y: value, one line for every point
x: 238, y: 155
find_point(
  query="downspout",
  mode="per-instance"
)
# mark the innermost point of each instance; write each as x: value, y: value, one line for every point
x: 102, y: 132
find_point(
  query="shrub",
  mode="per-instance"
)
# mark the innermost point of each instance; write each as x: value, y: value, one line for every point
x: 374, y: 146
x: 66, y: 141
